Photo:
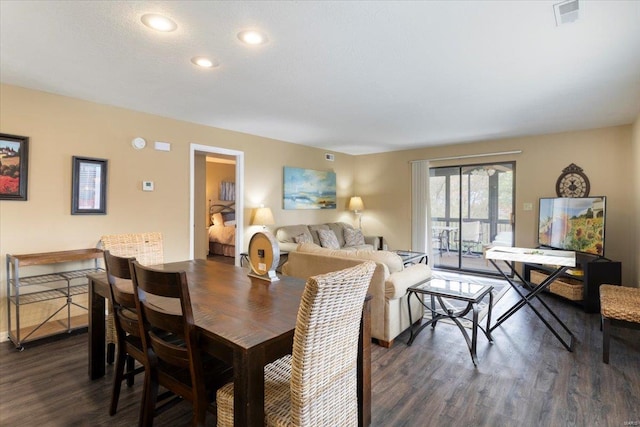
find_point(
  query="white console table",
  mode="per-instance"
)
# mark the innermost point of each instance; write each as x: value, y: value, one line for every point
x: 561, y: 259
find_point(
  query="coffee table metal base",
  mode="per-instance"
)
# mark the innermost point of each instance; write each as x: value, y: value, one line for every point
x: 445, y: 312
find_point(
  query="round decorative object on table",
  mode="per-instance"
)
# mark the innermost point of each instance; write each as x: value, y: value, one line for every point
x: 264, y: 256
x: 572, y: 182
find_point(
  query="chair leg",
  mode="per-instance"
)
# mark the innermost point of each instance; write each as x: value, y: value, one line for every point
x: 111, y: 349
x: 150, y: 396
x: 131, y: 364
x: 117, y: 381
x: 606, y: 327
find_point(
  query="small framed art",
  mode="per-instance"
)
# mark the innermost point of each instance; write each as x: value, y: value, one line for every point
x: 89, y: 186
x: 14, y: 165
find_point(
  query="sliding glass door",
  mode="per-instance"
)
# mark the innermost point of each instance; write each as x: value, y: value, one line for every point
x: 471, y: 208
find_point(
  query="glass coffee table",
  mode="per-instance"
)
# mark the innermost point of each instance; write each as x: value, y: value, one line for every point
x: 411, y: 257
x: 443, y: 291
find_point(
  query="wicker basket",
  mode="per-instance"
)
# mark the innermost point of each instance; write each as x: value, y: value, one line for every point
x: 568, y: 288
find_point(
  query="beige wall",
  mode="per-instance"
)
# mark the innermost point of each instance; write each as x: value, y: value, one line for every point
x: 384, y: 182
x: 635, y: 189
x: 60, y: 127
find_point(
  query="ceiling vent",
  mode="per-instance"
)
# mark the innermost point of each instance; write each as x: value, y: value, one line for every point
x: 566, y: 12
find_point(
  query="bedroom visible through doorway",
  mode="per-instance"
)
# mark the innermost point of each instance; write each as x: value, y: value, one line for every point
x: 228, y: 167
x: 221, y: 209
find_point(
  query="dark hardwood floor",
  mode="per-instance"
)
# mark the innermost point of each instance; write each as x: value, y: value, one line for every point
x: 526, y: 378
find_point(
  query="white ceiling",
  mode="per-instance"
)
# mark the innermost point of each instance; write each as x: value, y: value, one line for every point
x: 349, y: 76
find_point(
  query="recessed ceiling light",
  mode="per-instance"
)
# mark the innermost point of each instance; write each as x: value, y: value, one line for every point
x: 204, y: 62
x: 158, y: 22
x: 252, y: 37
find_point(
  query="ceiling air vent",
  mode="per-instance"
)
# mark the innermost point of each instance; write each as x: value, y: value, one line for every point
x: 566, y: 12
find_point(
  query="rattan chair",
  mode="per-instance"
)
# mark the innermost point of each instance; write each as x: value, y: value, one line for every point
x: 619, y: 306
x: 170, y: 341
x: 146, y: 248
x: 317, y: 384
x: 125, y: 320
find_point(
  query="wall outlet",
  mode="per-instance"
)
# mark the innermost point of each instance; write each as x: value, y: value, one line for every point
x: 147, y: 185
x: 527, y: 206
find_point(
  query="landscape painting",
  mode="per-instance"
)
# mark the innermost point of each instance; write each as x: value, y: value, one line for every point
x: 14, y: 154
x: 309, y: 189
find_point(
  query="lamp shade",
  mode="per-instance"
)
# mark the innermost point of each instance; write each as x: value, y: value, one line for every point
x: 355, y: 204
x: 263, y: 216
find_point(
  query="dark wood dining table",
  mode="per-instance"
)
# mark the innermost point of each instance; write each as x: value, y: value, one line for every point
x: 244, y: 321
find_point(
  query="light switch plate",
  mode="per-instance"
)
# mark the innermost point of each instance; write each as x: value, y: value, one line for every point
x: 147, y: 185
x: 527, y: 206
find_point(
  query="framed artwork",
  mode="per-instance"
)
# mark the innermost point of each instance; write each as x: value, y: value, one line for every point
x: 89, y: 186
x: 14, y: 165
x: 309, y: 189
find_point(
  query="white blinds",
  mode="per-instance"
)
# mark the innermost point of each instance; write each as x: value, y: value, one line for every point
x: 420, y: 212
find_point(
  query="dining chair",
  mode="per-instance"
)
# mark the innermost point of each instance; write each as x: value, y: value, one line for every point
x: 175, y: 360
x: 146, y: 248
x: 317, y: 384
x: 471, y: 236
x: 127, y: 329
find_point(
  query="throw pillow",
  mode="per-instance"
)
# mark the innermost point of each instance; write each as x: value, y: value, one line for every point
x: 216, y: 219
x: 353, y: 237
x: 302, y: 238
x: 328, y: 239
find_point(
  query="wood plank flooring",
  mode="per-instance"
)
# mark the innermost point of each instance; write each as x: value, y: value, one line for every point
x: 525, y: 378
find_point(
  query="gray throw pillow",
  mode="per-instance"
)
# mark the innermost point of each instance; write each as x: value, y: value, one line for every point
x: 328, y: 239
x: 353, y: 237
x: 302, y: 238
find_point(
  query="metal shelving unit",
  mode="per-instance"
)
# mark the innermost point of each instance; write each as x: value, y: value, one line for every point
x: 26, y: 290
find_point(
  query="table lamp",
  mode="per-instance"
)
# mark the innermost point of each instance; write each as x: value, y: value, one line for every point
x: 356, y: 205
x: 263, y: 217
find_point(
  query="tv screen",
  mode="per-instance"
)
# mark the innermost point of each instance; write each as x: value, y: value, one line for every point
x: 573, y: 224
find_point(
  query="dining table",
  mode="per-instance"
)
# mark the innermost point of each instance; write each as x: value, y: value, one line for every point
x: 245, y: 321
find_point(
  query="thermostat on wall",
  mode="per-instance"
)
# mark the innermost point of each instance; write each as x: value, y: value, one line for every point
x: 147, y: 185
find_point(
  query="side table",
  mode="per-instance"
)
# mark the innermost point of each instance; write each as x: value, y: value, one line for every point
x: 437, y: 289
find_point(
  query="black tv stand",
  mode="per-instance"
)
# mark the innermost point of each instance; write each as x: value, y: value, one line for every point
x: 597, y: 270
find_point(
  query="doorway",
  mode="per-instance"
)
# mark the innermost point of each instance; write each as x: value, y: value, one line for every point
x: 471, y: 208
x: 199, y: 204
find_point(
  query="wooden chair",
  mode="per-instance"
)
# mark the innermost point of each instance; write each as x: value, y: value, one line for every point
x: 317, y: 384
x: 146, y: 248
x: 619, y: 306
x: 125, y: 319
x: 170, y: 341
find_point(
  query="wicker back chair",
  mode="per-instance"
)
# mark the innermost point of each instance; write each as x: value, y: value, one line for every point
x: 317, y: 384
x: 146, y: 248
x: 619, y: 306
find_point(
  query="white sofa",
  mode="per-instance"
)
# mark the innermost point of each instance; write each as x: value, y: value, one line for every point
x: 389, y: 311
x: 288, y: 234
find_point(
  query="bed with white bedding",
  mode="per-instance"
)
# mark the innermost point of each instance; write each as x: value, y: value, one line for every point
x: 222, y: 232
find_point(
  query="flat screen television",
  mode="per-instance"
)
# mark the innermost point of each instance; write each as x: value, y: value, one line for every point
x: 572, y: 224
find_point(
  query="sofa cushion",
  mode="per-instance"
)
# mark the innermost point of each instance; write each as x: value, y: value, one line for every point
x: 353, y: 237
x: 328, y: 239
x: 391, y: 260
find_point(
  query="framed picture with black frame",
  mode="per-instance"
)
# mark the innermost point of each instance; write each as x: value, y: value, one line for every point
x: 89, y: 186
x: 14, y: 165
